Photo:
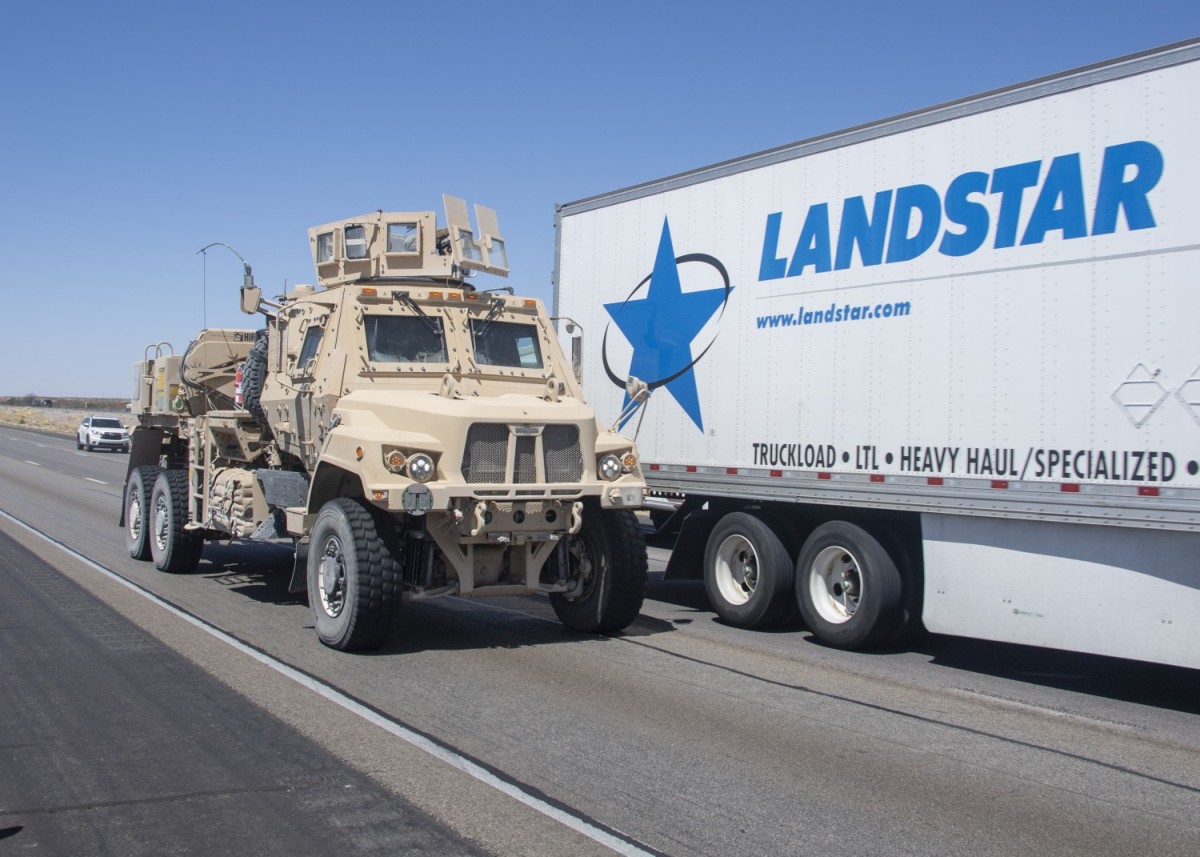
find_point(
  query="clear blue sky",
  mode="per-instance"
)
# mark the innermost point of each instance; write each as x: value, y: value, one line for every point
x: 134, y: 133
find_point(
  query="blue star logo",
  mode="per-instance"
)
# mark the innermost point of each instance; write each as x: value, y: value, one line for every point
x: 662, y: 326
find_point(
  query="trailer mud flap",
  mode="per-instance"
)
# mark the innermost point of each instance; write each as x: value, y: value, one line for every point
x: 299, y: 582
x: 687, y: 555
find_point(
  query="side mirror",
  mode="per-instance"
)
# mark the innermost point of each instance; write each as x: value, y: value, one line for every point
x: 251, y: 299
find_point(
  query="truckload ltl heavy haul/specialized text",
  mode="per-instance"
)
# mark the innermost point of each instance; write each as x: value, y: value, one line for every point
x: 415, y: 437
x: 940, y: 368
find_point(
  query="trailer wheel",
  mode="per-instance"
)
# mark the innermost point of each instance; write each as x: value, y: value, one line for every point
x: 748, y: 573
x: 354, y: 575
x: 137, y: 510
x: 608, y: 555
x: 847, y: 586
x: 173, y: 548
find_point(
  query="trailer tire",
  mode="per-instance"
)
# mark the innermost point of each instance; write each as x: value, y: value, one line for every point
x: 847, y: 586
x: 610, y: 553
x: 748, y: 573
x: 137, y: 510
x: 354, y: 575
x: 173, y: 548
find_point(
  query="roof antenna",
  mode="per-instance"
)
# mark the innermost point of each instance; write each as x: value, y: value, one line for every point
x: 247, y: 274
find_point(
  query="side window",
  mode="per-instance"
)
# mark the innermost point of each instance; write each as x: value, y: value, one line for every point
x: 309, y: 349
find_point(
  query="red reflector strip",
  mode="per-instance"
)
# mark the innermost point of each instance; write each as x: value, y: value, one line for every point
x: 731, y: 471
x: 776, y: 473
x: 654, y: 467
x: 691, y: 468
x: 999, y: 483
x: 876, y: 477
x: 1147, y: 492
x: 1069, y: 488
x: 824, y: 476
x: 936, y: 480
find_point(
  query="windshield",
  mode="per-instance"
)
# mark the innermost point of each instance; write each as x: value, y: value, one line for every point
x: 506, y: 343
x: 104, y: 422
x: 404, y: 339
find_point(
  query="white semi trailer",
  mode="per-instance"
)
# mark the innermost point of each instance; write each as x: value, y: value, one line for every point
x: 942, y: 368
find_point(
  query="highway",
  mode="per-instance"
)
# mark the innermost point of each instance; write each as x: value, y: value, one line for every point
x: 140, y: 709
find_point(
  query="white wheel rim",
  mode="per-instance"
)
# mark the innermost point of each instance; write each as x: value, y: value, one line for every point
x: 332, y: 582
x: 835, y: 585
x: 736, y: 570
x: 161, y: 522
x: 134, y: 516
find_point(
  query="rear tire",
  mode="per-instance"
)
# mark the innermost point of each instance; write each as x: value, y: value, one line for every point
x: 609, y: 555
x: 354, y: 575
x: 174, y: 549
x: 848, y: 587
x: 748, y: 573
x: 137, y: 510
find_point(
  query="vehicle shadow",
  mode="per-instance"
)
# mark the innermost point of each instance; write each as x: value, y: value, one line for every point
x: 258, y: 570
x: 1156, y: 685
x: 261, y: 571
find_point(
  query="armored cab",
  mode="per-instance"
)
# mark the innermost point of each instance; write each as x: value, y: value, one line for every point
x: 414, y: 436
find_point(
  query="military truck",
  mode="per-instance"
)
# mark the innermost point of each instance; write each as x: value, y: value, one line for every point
x: 414, y: 436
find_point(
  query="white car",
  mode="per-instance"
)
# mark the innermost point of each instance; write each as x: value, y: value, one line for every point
x: 102, y: 433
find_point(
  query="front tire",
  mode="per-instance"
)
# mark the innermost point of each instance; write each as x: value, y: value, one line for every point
x: 748, y: 573
x: 608, y: 556
x: 848, y: 587
x: 354, y: 575
x: 137, y: 510
x: 175, y: 549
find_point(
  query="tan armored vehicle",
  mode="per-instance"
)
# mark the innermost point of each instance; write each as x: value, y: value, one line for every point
x: 414, y: 436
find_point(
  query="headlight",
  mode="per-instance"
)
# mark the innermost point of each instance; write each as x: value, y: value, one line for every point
x: 609, y: 467
x: 420, y: 467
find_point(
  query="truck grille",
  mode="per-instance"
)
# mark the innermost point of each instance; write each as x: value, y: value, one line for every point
x: 485, y: 457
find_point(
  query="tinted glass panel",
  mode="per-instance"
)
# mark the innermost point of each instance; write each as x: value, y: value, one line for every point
x: 404, y: 339
x: 506, y: 343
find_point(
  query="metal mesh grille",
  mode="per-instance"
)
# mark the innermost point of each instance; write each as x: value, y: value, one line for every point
x: 560, y: 445
x: 486, y: 453
x: 525, y: 461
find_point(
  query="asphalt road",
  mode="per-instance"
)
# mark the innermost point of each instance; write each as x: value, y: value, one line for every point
x: 484, y: 724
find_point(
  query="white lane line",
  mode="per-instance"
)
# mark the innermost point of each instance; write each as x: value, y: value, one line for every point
x: 580, y: 825
x: 34, y: 463
x: 97, y: 481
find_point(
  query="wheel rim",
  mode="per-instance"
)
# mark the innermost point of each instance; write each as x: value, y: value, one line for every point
x: 133, y: 515
x: 582, y: 566
x: 835, y: 584
x: 162, y: 522
x: 332, y: 576
x: 736, y: 570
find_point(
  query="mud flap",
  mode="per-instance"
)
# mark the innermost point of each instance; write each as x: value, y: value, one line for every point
x: 299, y: 581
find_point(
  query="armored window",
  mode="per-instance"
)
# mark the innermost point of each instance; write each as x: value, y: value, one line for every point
x: 324, y: 247
x: 404, y: 339
x: 506, y: 343
x: 308, y: 350
x: 403, y: 238
x: 468, y: 247
x: 355, y: 241
x: 498, y: 256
